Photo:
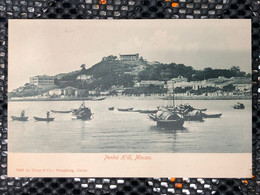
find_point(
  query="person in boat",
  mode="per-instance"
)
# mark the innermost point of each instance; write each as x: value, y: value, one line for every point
x: 22, y: 113
x: 48, y: 115
x: 82, y: 105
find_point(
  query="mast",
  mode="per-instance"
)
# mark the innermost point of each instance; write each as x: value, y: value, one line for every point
x: 173, y: 104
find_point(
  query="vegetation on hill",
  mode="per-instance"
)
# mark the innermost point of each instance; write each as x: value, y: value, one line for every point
x: 165, y: 72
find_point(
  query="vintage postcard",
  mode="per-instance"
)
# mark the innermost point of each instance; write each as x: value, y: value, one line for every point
x: 129, y: 98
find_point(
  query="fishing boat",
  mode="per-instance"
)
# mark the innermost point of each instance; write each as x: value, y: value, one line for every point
x: 82, y: 112
x: 125, y: 109
x: 59, y: 111
x: 111, y: 108
x: 43, y: 119
x: 239, y: 105
x: 212, y: 115
x: 165, y: 118
x: 17, y: 118
x: 185, y: 108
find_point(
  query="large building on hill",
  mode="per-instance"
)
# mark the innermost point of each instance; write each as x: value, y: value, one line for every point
x: 42, y: 81
x: 129, y: 57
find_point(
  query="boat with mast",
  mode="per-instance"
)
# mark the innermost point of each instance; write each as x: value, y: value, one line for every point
x: 167, y: 117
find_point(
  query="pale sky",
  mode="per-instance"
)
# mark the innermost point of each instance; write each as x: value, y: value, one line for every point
x: 50, y: 47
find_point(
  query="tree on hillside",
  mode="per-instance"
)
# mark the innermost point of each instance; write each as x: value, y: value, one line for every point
x: 235, y: 69
x: 83, y: 66
x: 109, y: 58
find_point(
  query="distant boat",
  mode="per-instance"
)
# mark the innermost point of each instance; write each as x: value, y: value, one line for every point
x: 239, y: 105
x: 25, y: 118
x: 212, y: 115
x: 58, y: 111
x: 125, y: 109
x: 148, y: 111
x: 96, y: 99
x: 111, y: 108
x: 43, y: 119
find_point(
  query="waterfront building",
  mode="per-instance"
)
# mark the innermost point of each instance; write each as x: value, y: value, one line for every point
x: 180, y: 81
x: 201, y: 84
x: 182, y: 84
x: 242, y: 87
x: 92, y: 92
x: 56, y: 92
x: 42, y: 81
x: 68, y: 92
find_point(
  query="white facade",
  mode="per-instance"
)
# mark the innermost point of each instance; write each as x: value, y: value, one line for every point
x: 129, y: 57
x: 84, y: 77
x: 57, y: 92
x: 42, y: 80
x: 242, y: 87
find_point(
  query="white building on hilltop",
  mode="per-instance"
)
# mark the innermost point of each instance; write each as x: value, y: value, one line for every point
x: 129, y: 57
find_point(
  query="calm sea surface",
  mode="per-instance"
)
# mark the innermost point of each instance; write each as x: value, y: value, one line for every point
x: 114, y: 131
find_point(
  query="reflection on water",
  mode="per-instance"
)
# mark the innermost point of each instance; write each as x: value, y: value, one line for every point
x: 114, y: 131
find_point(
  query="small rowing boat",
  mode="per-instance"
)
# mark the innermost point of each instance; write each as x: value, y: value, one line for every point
x: 59, y: 111
x: 125, y: 109
x: 212, y: 115
x: 16, y: 118
x: 43, y: 119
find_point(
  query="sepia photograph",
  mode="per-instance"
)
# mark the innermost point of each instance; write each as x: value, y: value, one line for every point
x: 145, y: 91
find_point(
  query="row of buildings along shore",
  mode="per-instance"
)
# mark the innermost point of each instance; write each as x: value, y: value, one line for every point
x: 170, y: 86
x: 179, y: 86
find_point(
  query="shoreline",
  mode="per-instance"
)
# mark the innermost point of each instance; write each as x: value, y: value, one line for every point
x: 138, y: 98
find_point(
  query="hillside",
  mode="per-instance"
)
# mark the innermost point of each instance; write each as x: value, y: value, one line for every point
x: 106, y: 74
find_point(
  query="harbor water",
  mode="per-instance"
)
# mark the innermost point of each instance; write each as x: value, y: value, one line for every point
x: 126, y: 132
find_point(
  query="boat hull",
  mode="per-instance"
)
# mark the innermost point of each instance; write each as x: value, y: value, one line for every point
x: 57, y: 111
x: 193, y: 118
x: 203, y: 109
x: 239, y: 107
x: 43, y: 119
x: 16, y: 118
x: 212, y: 115
x: 125, y: 109
x: 173, y: 124
x: 148, y: 111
